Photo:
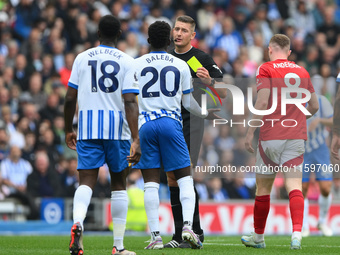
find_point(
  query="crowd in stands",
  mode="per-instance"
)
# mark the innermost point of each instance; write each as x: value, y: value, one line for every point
x: 39, y: 41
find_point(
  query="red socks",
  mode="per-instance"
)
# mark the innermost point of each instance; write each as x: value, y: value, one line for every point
x: 296, y: 204
x: 261, y: 210
x: 262, y: 205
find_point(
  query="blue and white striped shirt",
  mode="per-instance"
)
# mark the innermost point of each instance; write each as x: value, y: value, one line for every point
x: 163, y: 79
x: 102, y: 75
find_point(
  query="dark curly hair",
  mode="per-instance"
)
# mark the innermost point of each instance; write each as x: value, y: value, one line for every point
x: 109, y: 26
x: 159, y: 34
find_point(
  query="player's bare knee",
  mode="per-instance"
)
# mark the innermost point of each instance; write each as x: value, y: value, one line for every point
x: 264, y: 185
x: 263, y: 189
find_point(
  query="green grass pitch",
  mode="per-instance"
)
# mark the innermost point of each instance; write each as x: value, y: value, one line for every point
x: 102, y: 245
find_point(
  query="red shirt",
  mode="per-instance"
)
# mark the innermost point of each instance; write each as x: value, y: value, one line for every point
x: 279, y: 74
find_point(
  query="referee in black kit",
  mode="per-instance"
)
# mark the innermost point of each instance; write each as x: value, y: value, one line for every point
x: 202, y: 66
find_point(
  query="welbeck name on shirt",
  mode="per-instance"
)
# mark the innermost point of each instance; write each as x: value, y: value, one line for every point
x: 105, y: 51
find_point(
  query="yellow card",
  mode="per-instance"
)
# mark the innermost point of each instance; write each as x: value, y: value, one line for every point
x: 194, y: 63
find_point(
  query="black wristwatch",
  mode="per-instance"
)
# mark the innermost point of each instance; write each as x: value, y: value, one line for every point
x: 212, y: 82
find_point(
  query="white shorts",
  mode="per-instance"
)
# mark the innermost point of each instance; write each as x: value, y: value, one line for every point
x: 279, y: 156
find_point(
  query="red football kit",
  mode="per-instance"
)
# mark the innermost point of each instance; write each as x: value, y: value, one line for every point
x: 279, y: 74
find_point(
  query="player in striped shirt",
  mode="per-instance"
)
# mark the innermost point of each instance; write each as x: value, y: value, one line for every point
x: 317, y: 160
x: 103, y: 85
x: 165, y: 81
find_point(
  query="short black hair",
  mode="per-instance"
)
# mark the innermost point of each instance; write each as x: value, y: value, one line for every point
x: 159, y: 34
x: 109, y: 26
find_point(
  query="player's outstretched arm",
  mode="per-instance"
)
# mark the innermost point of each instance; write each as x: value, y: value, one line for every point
x: 313, y: 105
x: 69, y: 111
x: 328, y: 122
x: 335, y: 146
x: 193, y: 107
x: 131, y: 110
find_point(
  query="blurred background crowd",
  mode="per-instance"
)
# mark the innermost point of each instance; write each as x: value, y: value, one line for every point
x: 40, y: 39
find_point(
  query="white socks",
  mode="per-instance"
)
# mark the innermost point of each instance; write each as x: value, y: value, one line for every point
x: 258, y: 237
x: 324, y: 204
x: 81, y: 201
x: 305, y: 225
x: 297, y: 235
x: 119, y: 208
x: 187, y: 197
x: 151, y: 204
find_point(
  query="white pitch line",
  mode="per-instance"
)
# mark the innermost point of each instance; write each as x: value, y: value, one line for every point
x: 275, y: 245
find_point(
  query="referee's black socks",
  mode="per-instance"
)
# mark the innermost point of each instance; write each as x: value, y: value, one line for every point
x: 178, y: 217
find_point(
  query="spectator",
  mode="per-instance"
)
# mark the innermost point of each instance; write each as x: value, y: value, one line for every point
x: 44, y: 180
x: 325, y: 83
x: 65, y: 72
x: 200, y: 184
x: 47, y: 141
x: 263, y: 24
x: 33, y: 40
x: 22, y: 71
x: 27, y: 13
x: 250, y: 31
x: 47, y: 68
x: 14, y: 101
x: 51, y: 111
x: 4, y: 139
x: 28, y: 152
x: 58, y: 48
x: 13, y: 50
x: 70, y: 178
x: 30, y: 112
x: 8, y: 76
x: 304, y: 20
x: 230, y: 41
x: 156, y: 15
x: 14, y: 173
x: 132, y: 47
x: 102, y: 188
x: 16, y: 137
x: 224, y: 140
x: 83, y: 36
x: 35, y: 90
x: 330, y: 29
x: 216, y: 191
x: 312, y: 60
x: 4, y: 98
